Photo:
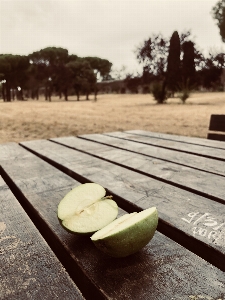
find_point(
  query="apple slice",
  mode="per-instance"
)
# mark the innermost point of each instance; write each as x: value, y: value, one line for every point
x: 127, y: 234
x: 85, y: 209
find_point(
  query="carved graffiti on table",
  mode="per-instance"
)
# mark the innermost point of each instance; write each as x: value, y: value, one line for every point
x: 205, y: 225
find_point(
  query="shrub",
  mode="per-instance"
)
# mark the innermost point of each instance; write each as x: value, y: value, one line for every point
x: 185, y: 90
x: 159, y: 92
x: 184, y: 95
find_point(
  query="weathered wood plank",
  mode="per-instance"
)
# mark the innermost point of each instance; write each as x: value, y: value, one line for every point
x: 179, y: 138
x: 35, y: 177
x: 175, y: 145
x: 186, y: 159
x: 175, y: 205
x: 161, y: 270
x: 185, y: 177
x: 29, y: 268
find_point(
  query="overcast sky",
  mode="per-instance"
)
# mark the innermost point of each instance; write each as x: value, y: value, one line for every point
x: 110, y: 29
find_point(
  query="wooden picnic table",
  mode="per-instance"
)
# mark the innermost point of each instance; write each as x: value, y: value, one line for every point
x: 183, y: 177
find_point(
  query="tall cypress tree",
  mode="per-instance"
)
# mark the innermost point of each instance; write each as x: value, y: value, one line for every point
x: 173, y: 66
x: 188, y: 63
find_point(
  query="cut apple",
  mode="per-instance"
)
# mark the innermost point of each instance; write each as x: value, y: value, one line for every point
x: 127, y: 234
x: 85, y: 209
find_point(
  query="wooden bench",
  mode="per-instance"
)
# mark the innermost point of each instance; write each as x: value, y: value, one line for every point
x: 217, y: 123
x: 182, y: 178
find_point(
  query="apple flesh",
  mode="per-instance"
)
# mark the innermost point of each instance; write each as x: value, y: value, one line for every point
x: 85, y: 209
x: 127, y: 234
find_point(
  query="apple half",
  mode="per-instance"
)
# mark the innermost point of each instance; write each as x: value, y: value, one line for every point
x: 85, y: 209
x: 127, y: 234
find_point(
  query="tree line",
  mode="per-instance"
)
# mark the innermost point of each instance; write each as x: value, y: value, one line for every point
x: 176, y: 65
x: 53, y: 69
x: 170, y: 66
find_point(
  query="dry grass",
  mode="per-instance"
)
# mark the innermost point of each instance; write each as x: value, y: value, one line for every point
x: 27, y: 120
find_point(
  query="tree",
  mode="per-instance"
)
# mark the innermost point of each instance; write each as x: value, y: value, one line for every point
x: 188, y: 63
x: 62, y: 80
x: 5, y: 73
x: 153, y: 55
x: 62, y: 76
x: 33, y: 81
x: 101, y: 67
x: 173, y: 63
x: 13, y: 72
x: 218, y: 12
x: 82, y: 76
x: 164, y: 61
x: 210, y: 74
x: 49, y: 62
x: 187, y: 81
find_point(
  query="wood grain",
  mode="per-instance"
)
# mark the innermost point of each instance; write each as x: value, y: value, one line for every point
x: 29, y: 268
x: 136, y: 191
x: 161, y: 270
x: 200, y: 150
x: 179, y: 138
x: 186, y: 159
x: 197, y: 181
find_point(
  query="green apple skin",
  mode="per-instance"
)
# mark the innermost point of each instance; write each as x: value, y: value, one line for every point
x: 130, y: 240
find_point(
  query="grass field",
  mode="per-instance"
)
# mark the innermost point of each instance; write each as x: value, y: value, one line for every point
x: 27, y: 120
